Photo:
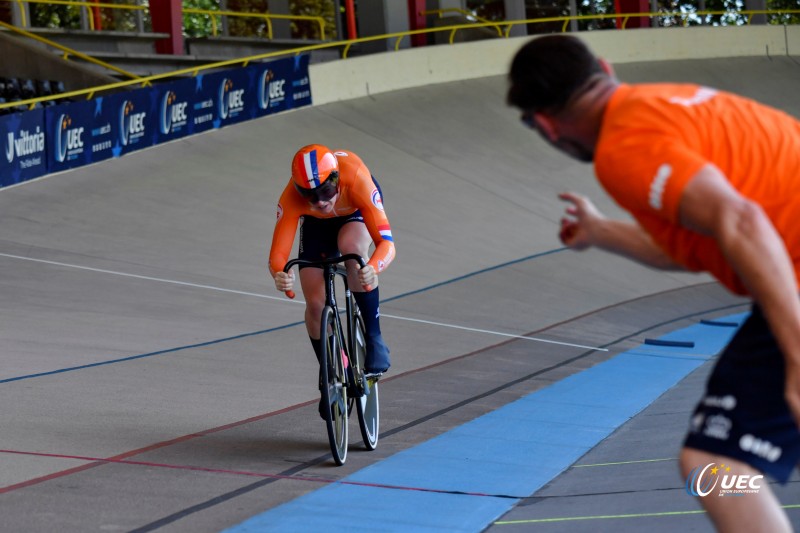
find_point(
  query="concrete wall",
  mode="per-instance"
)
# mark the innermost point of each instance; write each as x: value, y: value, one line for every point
x: 368, y: 75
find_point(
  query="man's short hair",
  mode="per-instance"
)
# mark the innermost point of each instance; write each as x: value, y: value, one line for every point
x: 548, y: 70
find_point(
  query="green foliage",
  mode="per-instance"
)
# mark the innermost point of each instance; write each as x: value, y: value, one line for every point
x: 200, y: 25
x: 788, y: 18
x: 69, y: 17
x: 248, y: 26
x: 55, y: 16
x: 302, y: 29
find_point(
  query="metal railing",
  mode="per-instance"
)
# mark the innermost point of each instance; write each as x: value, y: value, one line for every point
x: 347, y: 44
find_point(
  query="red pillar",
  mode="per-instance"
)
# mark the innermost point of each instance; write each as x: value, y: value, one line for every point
x: 350, y: 12
x: 633, y: 6
x: 416, y: 21
x: 98, y: 20
x: 168, y: 18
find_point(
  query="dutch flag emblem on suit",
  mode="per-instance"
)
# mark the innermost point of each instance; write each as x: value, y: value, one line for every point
x: 386, y: 232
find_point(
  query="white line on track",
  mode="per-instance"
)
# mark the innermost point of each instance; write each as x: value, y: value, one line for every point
x: 296, y: 301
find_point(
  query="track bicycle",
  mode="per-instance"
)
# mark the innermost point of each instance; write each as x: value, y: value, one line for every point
x: 343, y: 379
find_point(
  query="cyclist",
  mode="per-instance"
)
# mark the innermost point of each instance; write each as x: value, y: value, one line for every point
x: 338, y: 205
x: 712, y: 181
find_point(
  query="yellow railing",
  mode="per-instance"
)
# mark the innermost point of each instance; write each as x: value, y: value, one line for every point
x: 69, y: 51
x: 267, y: 17
x: 346, y: 45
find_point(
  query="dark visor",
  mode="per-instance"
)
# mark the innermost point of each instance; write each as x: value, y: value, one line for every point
x: 324, y: 192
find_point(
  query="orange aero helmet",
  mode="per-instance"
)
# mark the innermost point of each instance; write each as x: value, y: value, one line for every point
x: 313, y: 165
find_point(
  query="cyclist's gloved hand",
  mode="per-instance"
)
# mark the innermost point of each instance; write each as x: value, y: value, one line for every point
x: 367, y: 276
x: 284, y: 281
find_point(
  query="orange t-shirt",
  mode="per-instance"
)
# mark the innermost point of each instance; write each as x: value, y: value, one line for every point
x: 357, y: 191
x: 656, y: 137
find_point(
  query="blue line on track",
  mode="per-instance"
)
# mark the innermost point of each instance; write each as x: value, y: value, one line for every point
x: 285, y: 326
x: 468, y: 477
x: 151, y: 354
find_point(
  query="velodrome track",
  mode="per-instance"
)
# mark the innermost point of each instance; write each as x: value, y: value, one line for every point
x: 153, y: 380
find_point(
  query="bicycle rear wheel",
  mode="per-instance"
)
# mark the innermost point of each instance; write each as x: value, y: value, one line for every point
x: 368, y: 404
x: 334, y: 391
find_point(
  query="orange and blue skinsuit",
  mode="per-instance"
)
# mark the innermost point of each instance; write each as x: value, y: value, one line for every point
x: 358, y: 193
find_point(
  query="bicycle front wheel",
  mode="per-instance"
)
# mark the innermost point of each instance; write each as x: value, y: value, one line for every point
x: 334, y: 390
x: 367, y: 405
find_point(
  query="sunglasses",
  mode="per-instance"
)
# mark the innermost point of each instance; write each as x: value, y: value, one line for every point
x: 324, y: 192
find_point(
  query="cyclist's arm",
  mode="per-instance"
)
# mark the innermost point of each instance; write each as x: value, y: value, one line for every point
x: 370, y: 204
x: 285, y: 230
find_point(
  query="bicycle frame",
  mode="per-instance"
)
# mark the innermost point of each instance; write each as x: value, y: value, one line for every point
x: 332, y: 268
x: 344, y: 360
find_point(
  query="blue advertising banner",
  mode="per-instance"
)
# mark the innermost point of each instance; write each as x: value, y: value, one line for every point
x: 232, y: 95
x: 23, y: 139
x: 132, y: 124
x: 78, y: 133
x: 280, y: 85
x: 173, y: 104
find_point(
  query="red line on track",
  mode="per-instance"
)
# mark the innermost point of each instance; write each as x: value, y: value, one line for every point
x: 121, y: 457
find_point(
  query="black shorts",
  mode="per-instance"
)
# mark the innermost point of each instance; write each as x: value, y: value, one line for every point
x: 743, y: 413
x: 319, y: 237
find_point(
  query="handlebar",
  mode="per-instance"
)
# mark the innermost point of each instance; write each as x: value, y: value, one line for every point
x: 323, y: 263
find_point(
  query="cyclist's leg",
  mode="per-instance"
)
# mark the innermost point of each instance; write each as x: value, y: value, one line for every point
x: 354, y: 238
x: 317, y: 241
x: 312, y: 283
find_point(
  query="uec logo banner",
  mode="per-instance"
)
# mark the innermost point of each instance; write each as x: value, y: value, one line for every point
x: 78, y: 133
x: 72, y: 134
x: 173, y: 106
x: 134, y: 120
x: 22, y: 136
x: 281, y: 85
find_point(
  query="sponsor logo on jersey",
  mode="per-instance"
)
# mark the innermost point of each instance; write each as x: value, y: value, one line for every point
x: 377, y: 201
x: 703, y: 95
x: 280, y: 211
x: 658, y: 185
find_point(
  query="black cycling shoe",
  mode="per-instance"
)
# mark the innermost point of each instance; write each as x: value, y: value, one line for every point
x: 322, y: 409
